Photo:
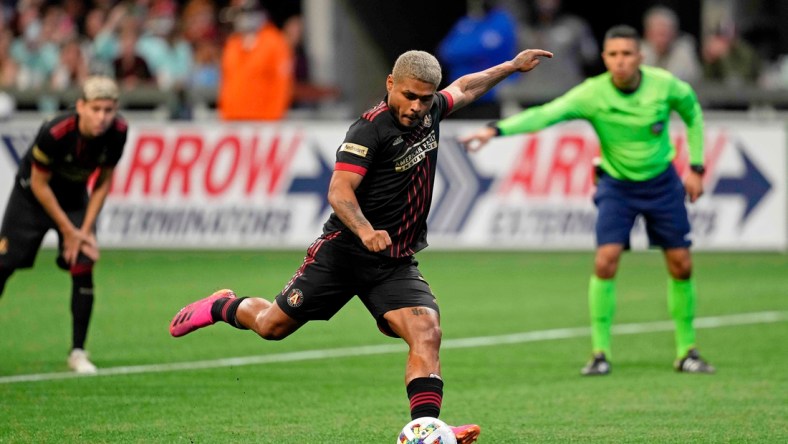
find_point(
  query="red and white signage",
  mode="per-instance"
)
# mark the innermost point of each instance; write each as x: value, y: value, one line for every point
x: 264, y: 186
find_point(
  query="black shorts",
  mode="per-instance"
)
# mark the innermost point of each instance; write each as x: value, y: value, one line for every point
x: 24, y: 225
x: 334, y: 270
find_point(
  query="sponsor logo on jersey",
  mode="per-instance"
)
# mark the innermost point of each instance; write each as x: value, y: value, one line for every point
x: 40, y: 156
x: 657, y: 127
x: 398, y: 140
x: 352, y: 148
x: 295, y: 298
x: 427, y: 121
x: 416, y: 153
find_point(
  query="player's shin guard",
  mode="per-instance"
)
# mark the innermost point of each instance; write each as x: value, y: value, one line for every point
x: 426, y: 396
x: 81, y: 303
x: 602, y: 307
x: 681, y: 303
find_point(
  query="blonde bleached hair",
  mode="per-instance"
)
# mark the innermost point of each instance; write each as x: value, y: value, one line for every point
x: 417, y: 65
x: 99, y: 87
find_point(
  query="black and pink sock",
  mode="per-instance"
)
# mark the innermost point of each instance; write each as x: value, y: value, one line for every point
x: 224, y: 309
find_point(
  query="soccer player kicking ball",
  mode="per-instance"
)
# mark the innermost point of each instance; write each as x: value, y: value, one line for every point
x: 380, y: 192
x: 629, y: 107
x: 50, y: 192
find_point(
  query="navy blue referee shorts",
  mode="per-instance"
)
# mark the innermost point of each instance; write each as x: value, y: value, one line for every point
x: 659, y: 200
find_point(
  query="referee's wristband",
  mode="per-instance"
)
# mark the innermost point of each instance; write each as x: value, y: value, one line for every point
x: 698, y: 169
x: 494, y: 126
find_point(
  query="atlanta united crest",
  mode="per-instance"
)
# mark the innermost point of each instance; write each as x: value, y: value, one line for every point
x: 295, y: 298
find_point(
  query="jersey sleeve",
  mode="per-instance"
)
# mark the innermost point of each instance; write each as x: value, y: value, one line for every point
x: 356, y: 152
x: 44, y: 149
x: 444, y: 102
x: 684, y: 101
x: 572, y: 105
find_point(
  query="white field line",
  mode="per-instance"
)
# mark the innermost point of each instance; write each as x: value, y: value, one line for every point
x: 482, y: 341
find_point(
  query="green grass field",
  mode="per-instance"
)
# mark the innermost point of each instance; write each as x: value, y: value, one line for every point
x: 520, y: 388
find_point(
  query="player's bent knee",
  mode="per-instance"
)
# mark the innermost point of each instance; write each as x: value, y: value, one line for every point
x: 275, y: 329
x: 275, y: 333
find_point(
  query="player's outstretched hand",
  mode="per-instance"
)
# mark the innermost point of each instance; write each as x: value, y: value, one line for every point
x: 528, y: 59
x: 476, y: 140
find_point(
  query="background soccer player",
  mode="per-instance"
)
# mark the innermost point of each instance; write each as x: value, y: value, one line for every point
x: 380, y: 191
x: 629, y: 107
x: 50, y: 191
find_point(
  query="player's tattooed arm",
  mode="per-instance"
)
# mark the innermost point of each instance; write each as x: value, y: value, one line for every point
x: 342, y: 197
x: 471, y: 86
x: 355, y: 218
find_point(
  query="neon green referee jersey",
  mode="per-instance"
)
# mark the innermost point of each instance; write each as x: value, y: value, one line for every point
x: 632, y: 127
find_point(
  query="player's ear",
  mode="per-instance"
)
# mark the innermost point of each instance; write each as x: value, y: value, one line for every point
x: 389, y: 83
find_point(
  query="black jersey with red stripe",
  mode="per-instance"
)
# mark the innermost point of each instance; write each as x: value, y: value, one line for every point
x: 398, y: 165
x: 61, y: 149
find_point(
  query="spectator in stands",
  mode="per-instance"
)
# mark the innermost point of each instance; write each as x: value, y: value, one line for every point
x: 569, y: 37
x: 105, y: 28
x: 72, y: 70
x: 257, y: 68
x: 35, y: 55
x: 73, y: 14
x: 99, y: 47
x: 56, y: 26
x: 666, y: 47
x: 205, y: 74
x: 130, y: 68
x: 199, y: 22
x: 486, y: 36
x: 306, y: 93
x: 8, y: 67
x: 168, y: 55
x: 728, y: 59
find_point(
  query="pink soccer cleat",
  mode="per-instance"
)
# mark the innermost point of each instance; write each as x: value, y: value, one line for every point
x: 466, y: 434
x: 197, y: 314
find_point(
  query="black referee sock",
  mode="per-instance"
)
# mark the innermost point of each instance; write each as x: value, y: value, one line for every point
x: 224, y: 309
x: 426, y: 397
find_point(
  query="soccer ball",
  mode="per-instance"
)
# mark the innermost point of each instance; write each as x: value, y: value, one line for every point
x: 426, y: 430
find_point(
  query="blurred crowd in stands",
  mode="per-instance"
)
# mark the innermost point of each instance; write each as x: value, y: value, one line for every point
x: 234, y: 50
x: 721, y: 58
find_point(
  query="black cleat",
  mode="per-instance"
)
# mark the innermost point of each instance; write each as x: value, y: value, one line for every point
x: 693, y: 363
x: 598, y: 366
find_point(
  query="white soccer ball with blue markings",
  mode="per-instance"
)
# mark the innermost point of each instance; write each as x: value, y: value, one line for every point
x: 426, y: 430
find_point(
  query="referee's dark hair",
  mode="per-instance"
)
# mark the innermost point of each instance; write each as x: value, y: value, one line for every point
x: 623, y: 32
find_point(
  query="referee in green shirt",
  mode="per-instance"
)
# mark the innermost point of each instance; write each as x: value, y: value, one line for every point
x: 629, y: 107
